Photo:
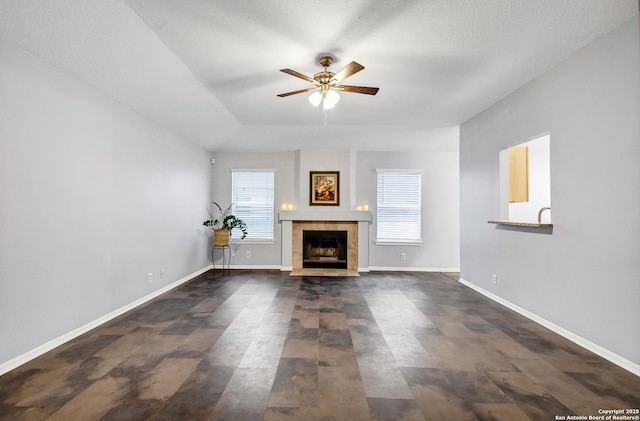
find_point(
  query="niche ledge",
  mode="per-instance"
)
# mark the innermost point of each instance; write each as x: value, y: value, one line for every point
x: 521, y: 224
x: 530, y: 227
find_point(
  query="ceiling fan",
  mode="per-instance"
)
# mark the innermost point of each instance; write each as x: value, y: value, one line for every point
x: 327, y: 83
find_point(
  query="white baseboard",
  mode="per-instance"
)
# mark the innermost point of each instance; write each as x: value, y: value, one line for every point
x: 411, y: 269
x: 380, y: 268
x: 54, y: 343
x: 256, y: 267
x: 595, y: 348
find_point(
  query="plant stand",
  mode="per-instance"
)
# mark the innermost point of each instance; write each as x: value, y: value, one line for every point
x: 213, y: 260
x: 221, y: 241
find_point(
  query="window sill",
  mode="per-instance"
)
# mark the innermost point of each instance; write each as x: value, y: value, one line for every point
x: 238, y: 242
x: 398, y: 243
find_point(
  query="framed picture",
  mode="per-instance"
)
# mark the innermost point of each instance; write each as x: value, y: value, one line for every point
x: 324, y: 188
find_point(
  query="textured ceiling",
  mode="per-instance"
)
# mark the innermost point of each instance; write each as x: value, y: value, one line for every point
x: 208, y: 69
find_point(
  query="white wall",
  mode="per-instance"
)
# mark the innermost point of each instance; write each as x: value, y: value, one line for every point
x: 92, y: 198
x: 358, y: 187
x: 315, y: 159
x: 584, y: 276
x: 263, y: 255
x: 440, y: 208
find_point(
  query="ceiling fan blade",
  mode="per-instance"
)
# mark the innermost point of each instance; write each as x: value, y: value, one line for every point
x: 348, y: 70
x: 296, y: 92
x: 357, y: 89
x: 297, y: 74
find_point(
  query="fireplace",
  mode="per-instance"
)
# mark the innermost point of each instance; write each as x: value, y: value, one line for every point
x: 324, y: 249
x: 325, y: 262
x: 355, y: 223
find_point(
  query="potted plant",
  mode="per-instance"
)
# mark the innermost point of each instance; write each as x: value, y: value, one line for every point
x: 223, y: 225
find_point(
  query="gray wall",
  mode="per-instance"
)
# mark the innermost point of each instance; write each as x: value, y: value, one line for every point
x: 583, y: 277
x: 440, y: 190
x: 92, y: 198
x: 263, y: 255
x: 440, y: 248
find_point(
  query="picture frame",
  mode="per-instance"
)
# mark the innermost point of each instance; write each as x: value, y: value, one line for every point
x: 324, y: 188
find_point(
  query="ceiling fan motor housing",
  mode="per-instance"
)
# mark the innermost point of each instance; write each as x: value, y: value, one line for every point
x: 324, y: 77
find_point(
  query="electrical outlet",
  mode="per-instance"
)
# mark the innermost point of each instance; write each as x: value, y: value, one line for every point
x: 161, y: 273
x: 403, y: 256
x: 247, y: 254
x: 494, y: 279
x: 150, y: 277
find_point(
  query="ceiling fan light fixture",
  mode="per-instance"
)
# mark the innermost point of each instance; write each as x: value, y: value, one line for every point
x: 332, y: 96
x: 328, y: 105
x: 315, y: 98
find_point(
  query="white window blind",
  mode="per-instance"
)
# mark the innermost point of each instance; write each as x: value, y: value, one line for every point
x: 253, y: 202
x: 399, y: 205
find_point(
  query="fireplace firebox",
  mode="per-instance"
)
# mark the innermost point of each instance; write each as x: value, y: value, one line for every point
x: 324, y: 249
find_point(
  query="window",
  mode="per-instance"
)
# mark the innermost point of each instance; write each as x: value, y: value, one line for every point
x: 252, y: 198
x: 399, y: 206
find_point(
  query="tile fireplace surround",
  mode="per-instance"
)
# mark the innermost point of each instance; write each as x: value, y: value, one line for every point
x: 356, y: 223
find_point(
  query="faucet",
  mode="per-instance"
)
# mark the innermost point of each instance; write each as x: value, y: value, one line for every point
x: 540, y: 213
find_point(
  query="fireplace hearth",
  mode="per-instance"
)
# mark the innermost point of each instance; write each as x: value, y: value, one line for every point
x: 324, y: 249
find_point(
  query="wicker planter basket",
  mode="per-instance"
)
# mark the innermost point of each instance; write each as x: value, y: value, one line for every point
x: 221, y: 238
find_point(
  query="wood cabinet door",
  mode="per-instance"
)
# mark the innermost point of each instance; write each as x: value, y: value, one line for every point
x: 518, y: 174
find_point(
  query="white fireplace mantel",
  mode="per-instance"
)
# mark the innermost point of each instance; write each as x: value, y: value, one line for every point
x: 363, y: 218
x: 325, y: 215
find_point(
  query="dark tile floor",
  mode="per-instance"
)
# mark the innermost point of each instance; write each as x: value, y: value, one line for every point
x: 260, y: 345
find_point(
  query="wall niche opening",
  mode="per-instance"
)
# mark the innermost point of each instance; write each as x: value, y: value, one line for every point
x: 534, y: 180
